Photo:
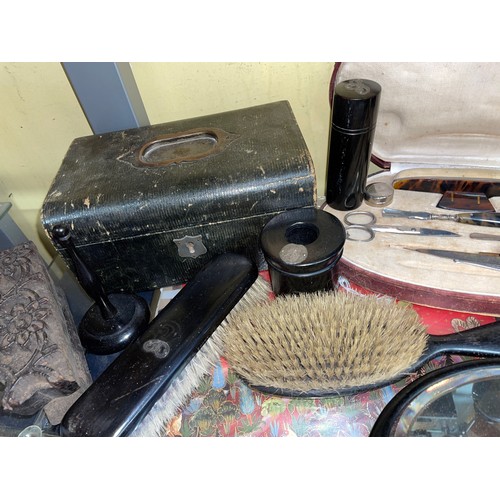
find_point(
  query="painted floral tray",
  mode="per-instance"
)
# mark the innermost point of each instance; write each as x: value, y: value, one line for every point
x: 222, y: 405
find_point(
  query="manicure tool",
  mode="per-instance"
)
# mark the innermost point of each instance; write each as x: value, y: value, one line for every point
x: 361, y: 226
x: 479, y: 218
x: 484, y: 236
x: 490, y: 261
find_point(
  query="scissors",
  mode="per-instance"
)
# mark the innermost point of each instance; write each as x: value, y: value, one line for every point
x: 361, y: 226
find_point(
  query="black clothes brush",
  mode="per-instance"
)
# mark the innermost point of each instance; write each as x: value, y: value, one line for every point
x: 187, y: 380
x: 327, y: 344
x: 124, y: 393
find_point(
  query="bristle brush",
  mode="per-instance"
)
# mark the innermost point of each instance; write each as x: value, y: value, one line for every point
x: 326, y: 344
x: 178, y: 393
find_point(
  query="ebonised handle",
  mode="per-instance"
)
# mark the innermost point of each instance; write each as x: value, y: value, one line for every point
x: 87, y: 278
x: 483, y: 340
x: 123, y: 394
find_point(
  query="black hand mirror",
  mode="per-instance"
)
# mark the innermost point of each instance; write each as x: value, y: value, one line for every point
x: 462, y: 399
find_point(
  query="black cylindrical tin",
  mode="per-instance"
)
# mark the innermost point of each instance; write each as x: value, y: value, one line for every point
x: 302, y: 247
x: 354, y: 116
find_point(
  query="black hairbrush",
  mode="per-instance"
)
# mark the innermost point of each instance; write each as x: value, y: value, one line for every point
x: 327, y: 344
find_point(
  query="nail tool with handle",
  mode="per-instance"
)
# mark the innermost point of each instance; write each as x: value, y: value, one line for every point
x: 481, y: 218
x: 361, y: 226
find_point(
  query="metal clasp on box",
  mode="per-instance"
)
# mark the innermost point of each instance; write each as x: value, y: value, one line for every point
x: 190, y: 246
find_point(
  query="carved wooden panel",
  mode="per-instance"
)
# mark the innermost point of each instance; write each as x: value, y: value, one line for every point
x: 41, y: 359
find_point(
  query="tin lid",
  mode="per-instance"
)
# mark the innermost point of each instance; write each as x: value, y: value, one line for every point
x: 379, y: 194
x: 355, y: 104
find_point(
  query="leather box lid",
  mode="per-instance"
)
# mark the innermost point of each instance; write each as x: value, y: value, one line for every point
x: 203, y: 170
x: 433, y: 113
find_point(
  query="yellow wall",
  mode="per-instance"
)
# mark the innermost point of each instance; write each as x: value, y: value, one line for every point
x: 41, y: 115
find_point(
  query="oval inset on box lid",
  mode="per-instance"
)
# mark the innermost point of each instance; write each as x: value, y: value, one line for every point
x: 185, y: 146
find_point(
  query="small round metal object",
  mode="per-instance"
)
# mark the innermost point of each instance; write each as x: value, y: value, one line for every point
x: 159, y: 348
x: 379, y: 194
x: 292, y: 253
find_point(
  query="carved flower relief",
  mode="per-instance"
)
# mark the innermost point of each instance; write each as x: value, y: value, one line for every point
x: 23, y: 337
x: 17, y: 264
x: 24, y: 349
x: 21, y: 322
x: 29, y: 365
x: 22, y: 310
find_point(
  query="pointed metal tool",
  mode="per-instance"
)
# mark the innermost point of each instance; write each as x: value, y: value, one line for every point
x: 490, y: 261
x: 491, y: 219
x: 419, y: 231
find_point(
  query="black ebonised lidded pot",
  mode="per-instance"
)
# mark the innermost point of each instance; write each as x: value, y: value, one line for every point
x: 302, y: 247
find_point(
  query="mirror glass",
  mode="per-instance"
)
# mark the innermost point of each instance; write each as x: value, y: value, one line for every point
x: 465, y: 404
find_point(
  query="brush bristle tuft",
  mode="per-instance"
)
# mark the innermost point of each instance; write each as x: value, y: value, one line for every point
x: 323, y: 341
